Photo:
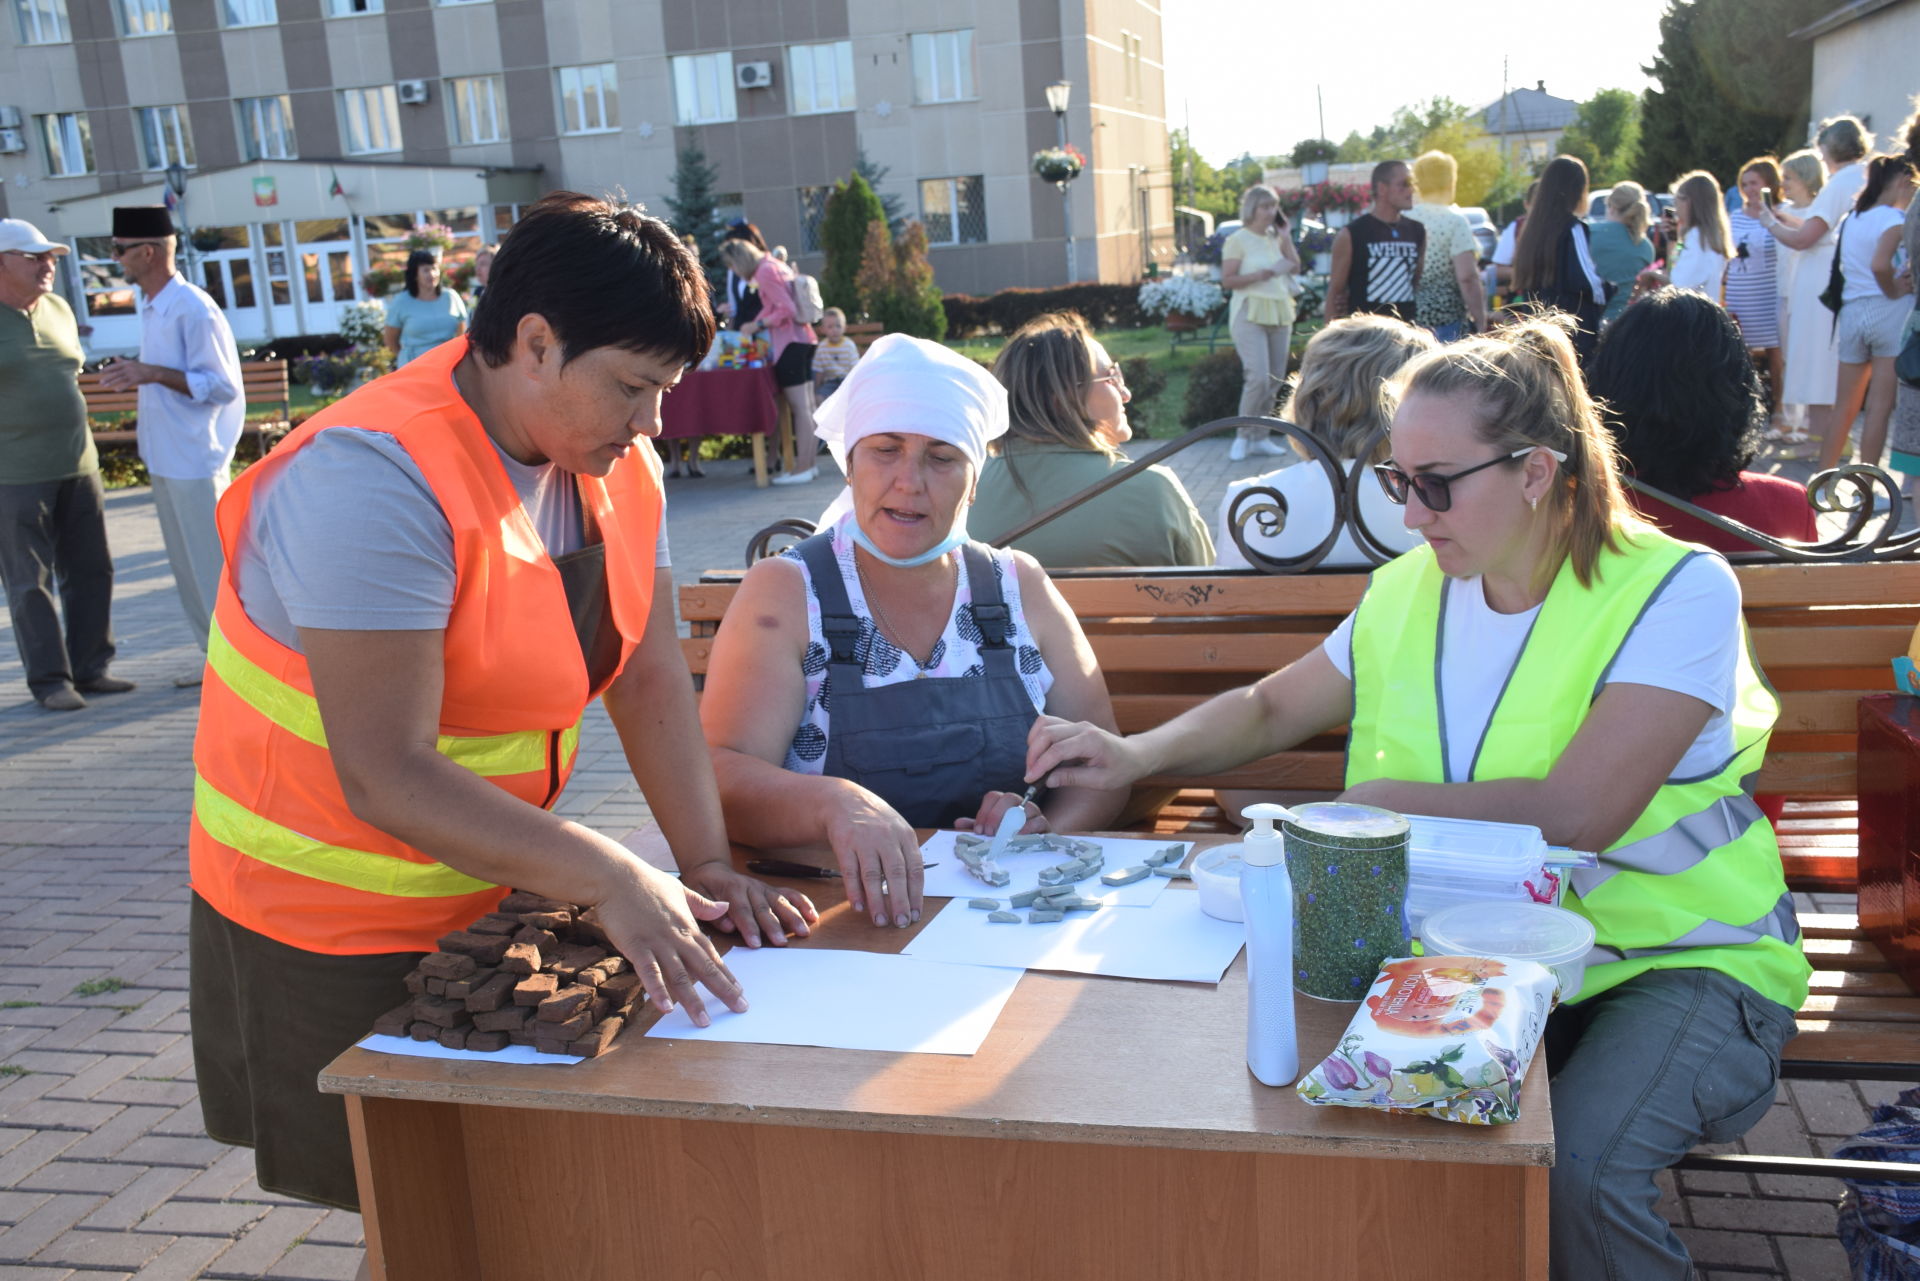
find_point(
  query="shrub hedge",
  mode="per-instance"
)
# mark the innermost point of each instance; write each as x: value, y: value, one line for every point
x: 1104, y: 307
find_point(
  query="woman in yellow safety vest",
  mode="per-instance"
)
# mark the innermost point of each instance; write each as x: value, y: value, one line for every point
x: 1547, y: 658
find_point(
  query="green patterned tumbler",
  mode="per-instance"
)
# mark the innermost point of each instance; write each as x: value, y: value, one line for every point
x: 1348, y: 864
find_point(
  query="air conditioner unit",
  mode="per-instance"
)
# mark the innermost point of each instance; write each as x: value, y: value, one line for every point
x: 413, y: 91
x: 9, y: 117
x: 753, y: 75
x: 12, y: 140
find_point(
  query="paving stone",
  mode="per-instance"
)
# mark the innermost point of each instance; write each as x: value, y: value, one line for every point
x: 186, y: 1259
x: 1752, y: 1214
x: 155, y: 1150
x: 35, y: 1152
x: 130, y: 1125
x: 126, y: 1208
x: 104, y: 1249
x: 310, y: 1262
x: 103, y: 1177
x: 61, y: 1114
x: 1734, y: 1249
x: 19, y: 1243
x: 1830, y: 1107
x: 339, y: 1227
x: 1814, y: 1258
x: 202, y: 1218
x: 269, y: 1238
x: 15, y: 1206
x: 1779, y: 1133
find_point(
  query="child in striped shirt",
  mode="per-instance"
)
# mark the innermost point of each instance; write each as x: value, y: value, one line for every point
x: 835, y: 355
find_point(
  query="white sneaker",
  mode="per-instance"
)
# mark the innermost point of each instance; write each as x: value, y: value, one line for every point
x: 1267, y: 447
x: 798, y: 477
x: 1237, y: 452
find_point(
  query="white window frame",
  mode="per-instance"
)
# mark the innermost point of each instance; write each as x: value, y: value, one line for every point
x: 481, y: 100
x: 248, y: 13
x: 144, y: 17
x: 42, y: 21
x: 66, y: 136
x: 1130, y: 46
x: 354, y: 8
x: 808, y: 66
x: 164, y: 137
x: 943, y: 66
x: 703, y: 89
x: 952, y: 186
x: 266, y: 128
x: 593, y: 90
x: 374, y: 114
x: 448, y: 4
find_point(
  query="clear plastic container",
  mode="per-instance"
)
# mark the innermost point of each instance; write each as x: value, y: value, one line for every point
x: 1454, y: 860
x: 1552, y: 936
x: 1216, y: 874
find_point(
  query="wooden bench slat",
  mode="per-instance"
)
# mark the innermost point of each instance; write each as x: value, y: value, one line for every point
x: 1849, y: 1042
x: 1854, y: 954
x: 1799, y: 586
x: 1842, y: 982
x: 1829, y: 925
x: 1865, y: 1009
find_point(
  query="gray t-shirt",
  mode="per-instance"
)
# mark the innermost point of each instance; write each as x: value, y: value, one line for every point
x: 354, y: 540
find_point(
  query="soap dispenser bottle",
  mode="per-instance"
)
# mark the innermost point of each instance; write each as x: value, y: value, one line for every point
x: 1273, y: 1051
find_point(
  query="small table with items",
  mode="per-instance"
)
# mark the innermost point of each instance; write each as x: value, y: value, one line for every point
x: 724, y: 402
x: 1106, y: 1128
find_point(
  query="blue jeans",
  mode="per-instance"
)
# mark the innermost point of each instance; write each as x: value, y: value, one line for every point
x: 1451, y: 333
x: 1642, y: 1074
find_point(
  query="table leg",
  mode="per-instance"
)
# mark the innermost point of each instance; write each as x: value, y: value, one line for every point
x: 786, y: 436
x: 759, y: 461
x: 416, y: 1203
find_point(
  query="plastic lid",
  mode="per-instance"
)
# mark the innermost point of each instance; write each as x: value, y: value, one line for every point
x: 1518, y: 931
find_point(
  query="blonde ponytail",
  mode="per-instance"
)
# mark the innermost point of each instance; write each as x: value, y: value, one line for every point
x: 1526, y: 382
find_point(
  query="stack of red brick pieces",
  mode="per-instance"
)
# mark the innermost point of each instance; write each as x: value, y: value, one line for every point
x: 535, y: 972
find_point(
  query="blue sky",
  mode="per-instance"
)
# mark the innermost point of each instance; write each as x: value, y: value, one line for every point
x: 1245, y: 93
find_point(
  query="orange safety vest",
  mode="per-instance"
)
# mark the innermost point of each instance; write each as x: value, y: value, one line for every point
x: 274, y: 846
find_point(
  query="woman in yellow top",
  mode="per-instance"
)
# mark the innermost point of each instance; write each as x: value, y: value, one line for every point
x: 1256, y: 263
x: 1549, y: 659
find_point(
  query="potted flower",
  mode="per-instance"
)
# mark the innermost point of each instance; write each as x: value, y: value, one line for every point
x: 1312, y: 156
x: 1338, y: 202
x: 1316, y: 246
x: 380, y: 281
x: 207, y: 239
x: 1059, y: 164
x: 1184, y: 301
x: 433, y: 236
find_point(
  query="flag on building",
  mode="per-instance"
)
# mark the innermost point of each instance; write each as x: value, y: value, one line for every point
x: 336, y: 189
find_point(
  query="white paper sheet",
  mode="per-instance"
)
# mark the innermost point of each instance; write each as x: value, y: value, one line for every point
x: 952, y: 880
x: 1172, y: 940
x: 434, y: 1050
x: 853, y: 1001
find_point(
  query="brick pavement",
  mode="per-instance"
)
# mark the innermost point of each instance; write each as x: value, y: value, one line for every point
x: 104, y: 1168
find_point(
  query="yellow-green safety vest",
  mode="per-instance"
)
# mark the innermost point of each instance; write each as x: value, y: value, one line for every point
x: 1696, y: 881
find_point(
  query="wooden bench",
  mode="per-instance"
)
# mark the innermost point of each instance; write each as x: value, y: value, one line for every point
x: 264, y: 383
x: 1824, y: 635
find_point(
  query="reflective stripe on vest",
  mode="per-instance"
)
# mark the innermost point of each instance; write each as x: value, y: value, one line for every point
x: 1696, y: 880
x: 233, y: 824
x: 298, y: 713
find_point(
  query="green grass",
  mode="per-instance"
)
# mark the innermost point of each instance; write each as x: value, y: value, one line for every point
x: 96, y: 987
x: 19, y: 1005
x: 12, y: 1069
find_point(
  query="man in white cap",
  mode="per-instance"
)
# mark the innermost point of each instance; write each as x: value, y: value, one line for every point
x: 191, y: 406
x: 53, y: 527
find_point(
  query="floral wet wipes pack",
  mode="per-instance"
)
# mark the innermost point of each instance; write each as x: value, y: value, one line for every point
x: 1446, y: 1036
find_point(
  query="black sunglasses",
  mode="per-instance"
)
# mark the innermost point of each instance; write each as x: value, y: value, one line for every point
x: 1436, y: 491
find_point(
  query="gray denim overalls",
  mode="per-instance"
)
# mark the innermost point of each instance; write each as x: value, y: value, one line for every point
x: 931, y: 748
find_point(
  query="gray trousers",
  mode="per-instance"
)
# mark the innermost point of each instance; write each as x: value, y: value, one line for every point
x: 53, y: 536
x: 1263, y: 364
x: 1642, y: 1074
x: 186, y: 508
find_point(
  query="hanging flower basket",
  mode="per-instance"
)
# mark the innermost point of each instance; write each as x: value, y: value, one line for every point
x: 433, y: 236
x: 1185, y: 301
x: 1059, y: 164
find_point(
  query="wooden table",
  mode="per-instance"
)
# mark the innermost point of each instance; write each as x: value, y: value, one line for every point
x: 1107, y: 1129
x: 725, y: 402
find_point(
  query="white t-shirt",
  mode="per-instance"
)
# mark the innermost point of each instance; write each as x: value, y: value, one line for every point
x: 1309, y: 516
x: 1688, y: 641
x: 1834, y: 201
x: 1503, y: 247
x: 1698, y: 268
x: 1860, y: 236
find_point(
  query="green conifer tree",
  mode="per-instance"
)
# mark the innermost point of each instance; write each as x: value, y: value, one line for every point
x: 843, y: 236
x: 690, y: 209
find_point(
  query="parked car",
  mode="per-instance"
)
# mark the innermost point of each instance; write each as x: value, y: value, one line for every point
x: 1482, y: 227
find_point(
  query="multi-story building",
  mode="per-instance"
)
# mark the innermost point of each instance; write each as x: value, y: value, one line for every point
x: 309, y: 136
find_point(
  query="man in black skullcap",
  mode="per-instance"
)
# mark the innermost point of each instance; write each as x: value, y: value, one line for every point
x: 191, y: 405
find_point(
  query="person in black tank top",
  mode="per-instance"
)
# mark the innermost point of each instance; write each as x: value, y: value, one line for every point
x: 1378, y: 256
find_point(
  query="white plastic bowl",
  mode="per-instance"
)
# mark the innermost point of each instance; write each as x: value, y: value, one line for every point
x: 1505, y: 930
x: 1216, y: 874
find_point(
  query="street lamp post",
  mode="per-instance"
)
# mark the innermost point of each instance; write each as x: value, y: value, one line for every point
x: 1057, y: 95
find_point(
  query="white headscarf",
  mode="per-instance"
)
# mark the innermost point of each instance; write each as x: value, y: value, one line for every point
x: 906, y: 384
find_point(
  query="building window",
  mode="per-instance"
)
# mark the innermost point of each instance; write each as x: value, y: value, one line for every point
x: 42, y: 21
x: 266, y: 128
x: 1130, y: 50
x: 164, y: 137
x: 353, y: 8
x: 248, y: 13
x: 813, y: 210
x: 69, y: 144
x: 479, y: 109
x: 145, y: 17
x: 943, y: 66
x: 703, y: 88
x: 448, y: 3
x: 820, y: 78
x: 589, y: 98
x: 370, y: 120
x: 954, y: 210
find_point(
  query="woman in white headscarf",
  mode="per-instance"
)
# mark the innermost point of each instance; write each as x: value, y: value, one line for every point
x: 883, y: 674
